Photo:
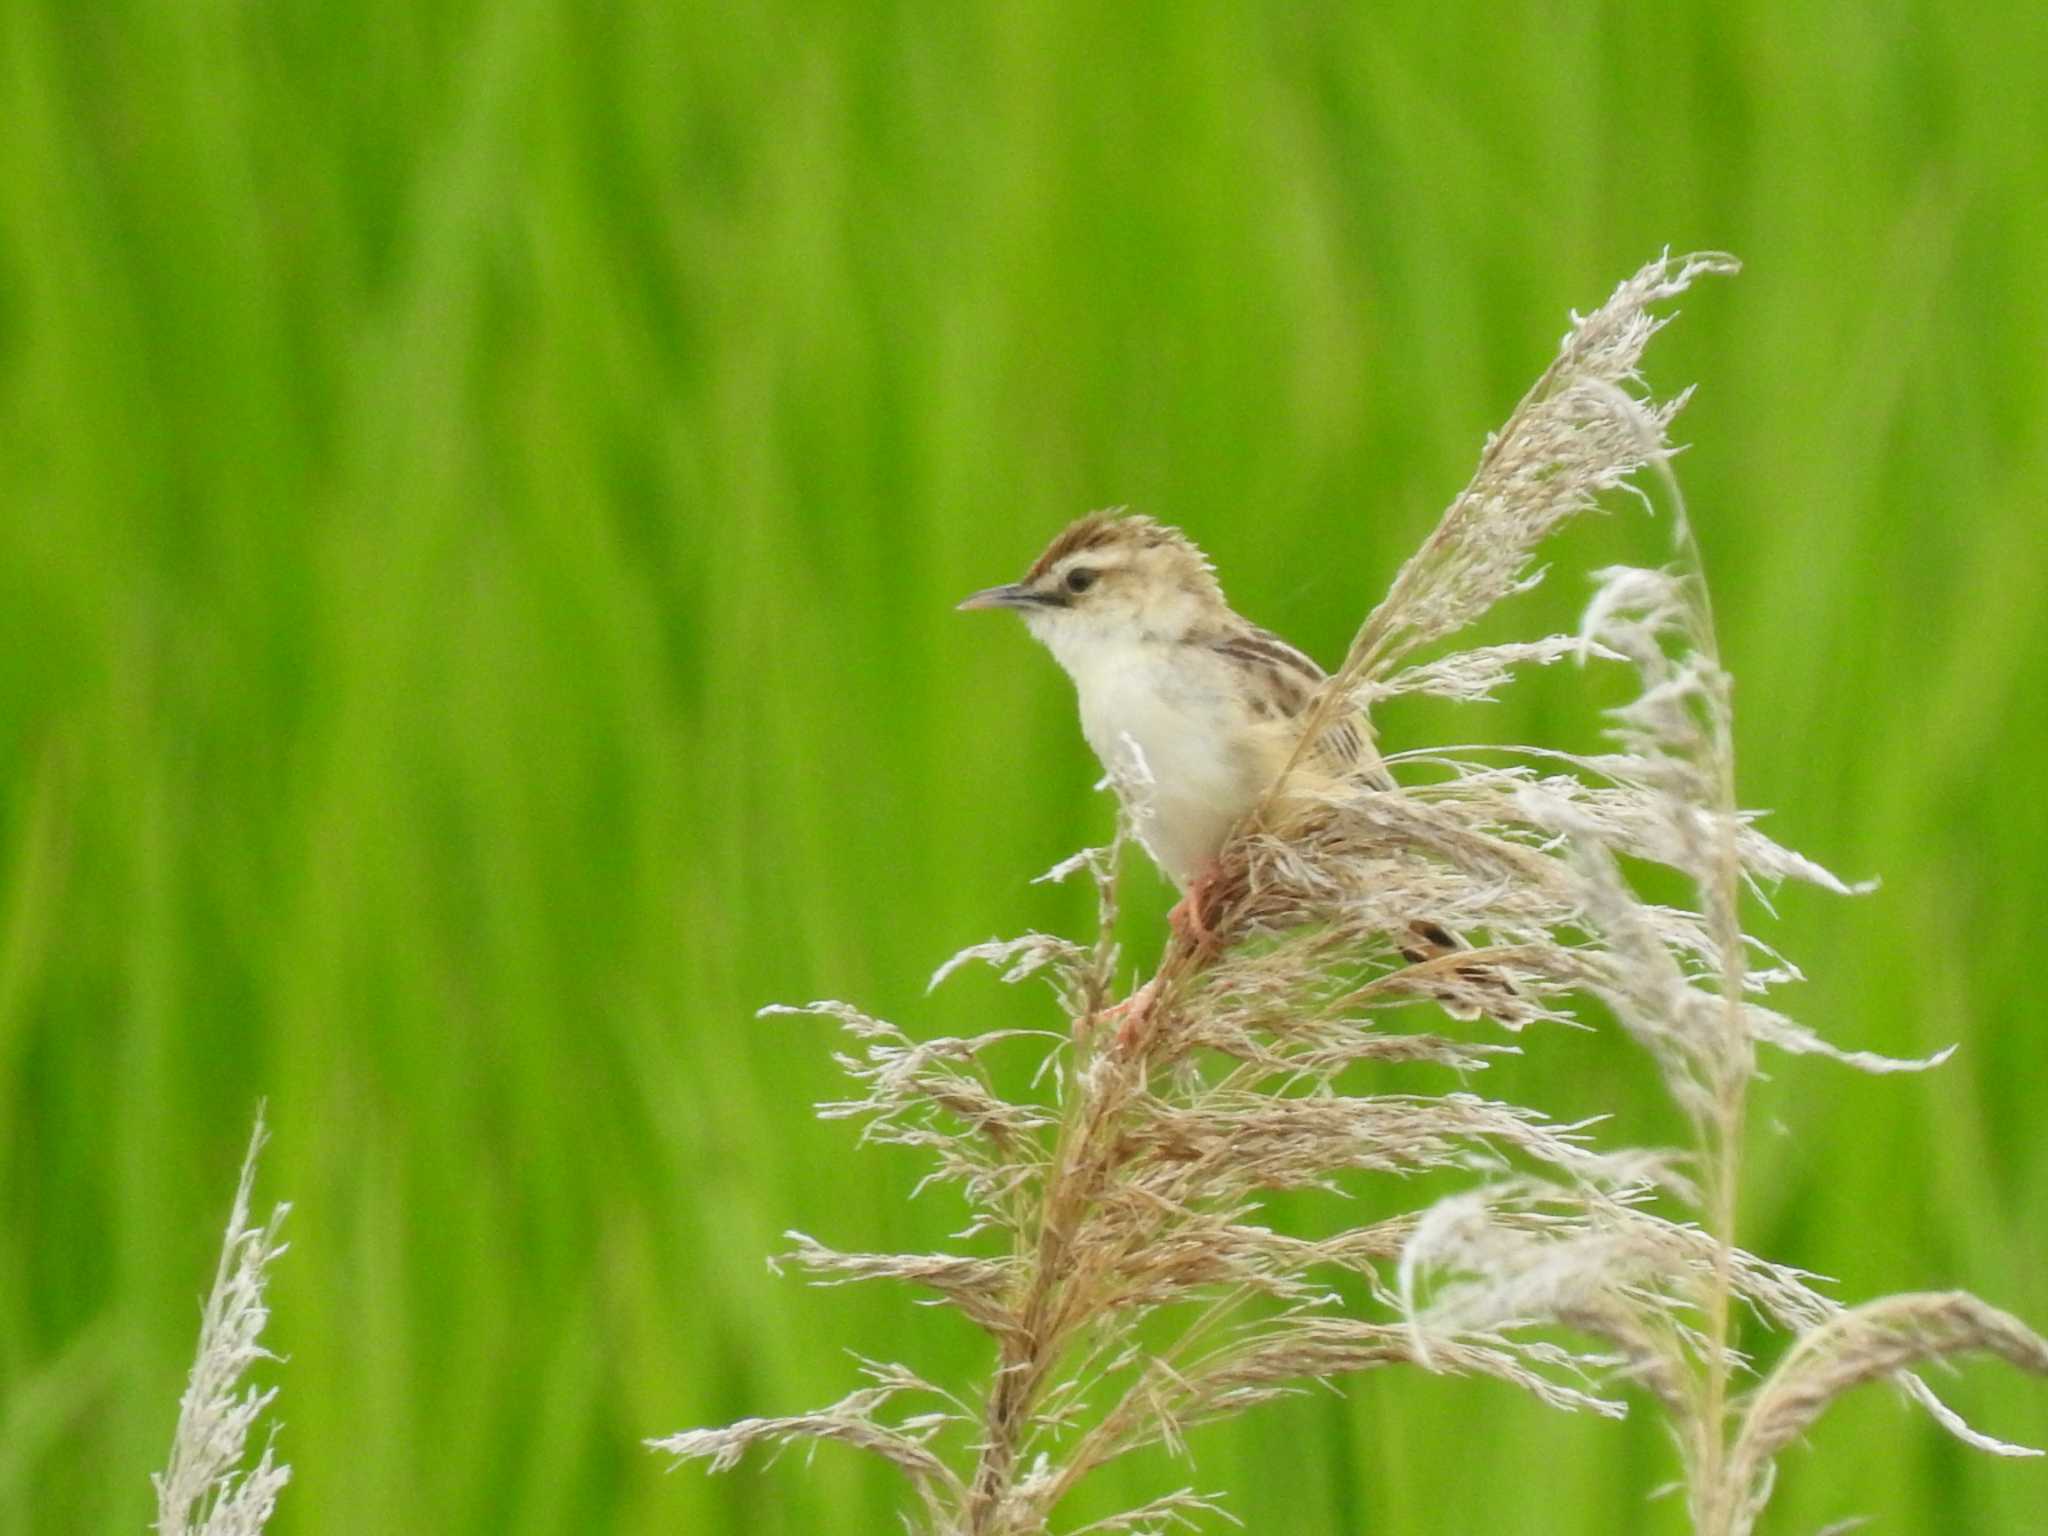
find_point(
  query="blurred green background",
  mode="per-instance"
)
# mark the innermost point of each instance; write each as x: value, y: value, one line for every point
x: 483, y: 490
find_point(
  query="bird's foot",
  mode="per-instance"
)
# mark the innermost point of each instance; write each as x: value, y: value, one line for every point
x: 1130, y: 1015
x: 1189, y: 918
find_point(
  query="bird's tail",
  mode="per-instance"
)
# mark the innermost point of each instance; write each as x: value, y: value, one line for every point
x: 1464, y: 991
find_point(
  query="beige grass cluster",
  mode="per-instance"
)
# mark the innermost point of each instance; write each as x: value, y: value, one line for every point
x: 1120, y: 1258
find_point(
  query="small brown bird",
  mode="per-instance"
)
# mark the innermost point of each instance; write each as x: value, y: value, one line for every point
x: 1195, y: 706
x: 1193, y: 709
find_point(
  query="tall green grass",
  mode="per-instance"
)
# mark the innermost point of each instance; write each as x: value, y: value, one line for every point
x: 483, y: 489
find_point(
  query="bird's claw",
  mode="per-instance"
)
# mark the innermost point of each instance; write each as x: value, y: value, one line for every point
x: 1189, y: 918
x: 1130, y: 1016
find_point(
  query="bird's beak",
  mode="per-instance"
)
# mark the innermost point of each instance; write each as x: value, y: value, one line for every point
x: 1012, y: 596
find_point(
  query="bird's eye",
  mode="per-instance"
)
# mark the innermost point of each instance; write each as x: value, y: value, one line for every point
x: 1080, y: 579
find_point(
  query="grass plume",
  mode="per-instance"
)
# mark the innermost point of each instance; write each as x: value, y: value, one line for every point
x: 207, y: 1489
x: 1120, y: 1257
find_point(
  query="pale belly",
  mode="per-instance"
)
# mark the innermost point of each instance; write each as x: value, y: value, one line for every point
x: 1207, y: 760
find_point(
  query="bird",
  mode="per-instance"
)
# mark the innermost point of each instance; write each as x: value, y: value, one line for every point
x: 1193, y: 710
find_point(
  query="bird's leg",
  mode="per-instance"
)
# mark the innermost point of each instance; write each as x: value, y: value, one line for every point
x: 1131, y: 1013
x: 1189, y: 920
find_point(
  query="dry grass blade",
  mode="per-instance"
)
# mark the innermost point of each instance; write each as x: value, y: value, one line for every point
x: 977, y: 1288
x: 1179, y: 1508
x: 854, y: 1420
x: 1870, y: 1343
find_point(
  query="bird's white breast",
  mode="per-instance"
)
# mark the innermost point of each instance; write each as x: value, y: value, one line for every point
x: 1207, y: 760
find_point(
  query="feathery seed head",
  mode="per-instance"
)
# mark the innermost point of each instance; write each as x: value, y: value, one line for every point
x: 1127, y: 1189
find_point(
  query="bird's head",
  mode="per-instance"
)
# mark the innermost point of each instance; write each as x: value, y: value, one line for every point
x: 1111, y: 579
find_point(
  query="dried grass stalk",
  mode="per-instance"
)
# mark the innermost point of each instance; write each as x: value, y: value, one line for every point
x: 1121, y: 1259
x: 207, y: 1490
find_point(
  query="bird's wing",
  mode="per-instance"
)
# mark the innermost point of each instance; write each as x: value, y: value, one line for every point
x: 1285, y: 682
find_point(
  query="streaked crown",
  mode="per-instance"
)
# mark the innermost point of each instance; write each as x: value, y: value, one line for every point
x: 1111, y: 560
